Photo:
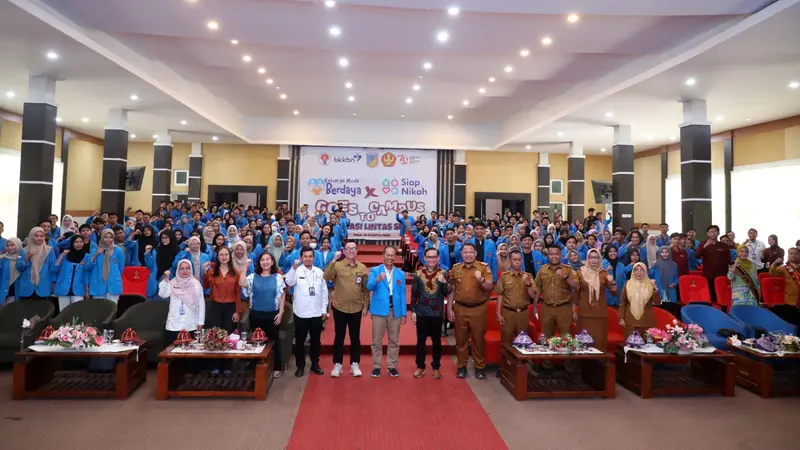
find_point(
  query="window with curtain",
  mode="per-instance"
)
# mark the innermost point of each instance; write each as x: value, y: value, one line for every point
x: 764, y: 197
x: 9, y: 190
x: 674, y: 211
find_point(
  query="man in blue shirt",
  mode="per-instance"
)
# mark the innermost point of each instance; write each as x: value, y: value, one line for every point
x: 663, y: 239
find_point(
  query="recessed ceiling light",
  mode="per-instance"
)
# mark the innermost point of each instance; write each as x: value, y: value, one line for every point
x: 794, y: 85
x: 420, y: 77
x: 247, y: 58
x: 524, y: 52
x: 409, y: 100
x: 51, y: 55
x: 547, y: 40
x: 278, y: 88
x: 650, y: 137
x: 691, y: 82
x: 453, y: 11
x: 283, y: 96
x: 672, y: 138
x: 330, y: 3
x: 348, y: 85
x: 155, y: 136
x: 84, y: 119
x: 508, y: 69
x: 134, y: 97
x: 482, y: 90
x: 132, y: 136
x: 262, y: 70
x: 296, y: 112
x: 335, y: 31
x: 343, y: 62
x: 354, y: 114
x: 234, y: 42
x: 58, y: 119
x: 270, y: 81
x: 491, y: 79
x: 465, y: 103
x: 573, y: 18
x: 10, y: 94
x: 402, y: 115
x: 603, y: 149
x: 560, y: 134
x: 212, y: 25
x: 416, y: 87
x: 214, y: 138
x: 442, y: 36
x: 450, y: 117
x: 720, y: 118
x: 527, y: 147
x: 748, y: 119
x: 609, y: 114
x: 427, y: 65
x: 183, y: 122
x: 351, y: 99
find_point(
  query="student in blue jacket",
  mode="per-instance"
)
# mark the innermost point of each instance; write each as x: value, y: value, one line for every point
x: 106, y: 266
x: 128, y: 246
x: 665, y: 273
x: 406, y: 222
x: 614, y: 267
x: 450, y: 250
x: 2, y: 239
x: 36, y: 266
x: 8, y: 269
x: 71, y: 272
x: 489, y: 255
x: 388, y: 309
x: 194, y: 254
x: 325, y: 255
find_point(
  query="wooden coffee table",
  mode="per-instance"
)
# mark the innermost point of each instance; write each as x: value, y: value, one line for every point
x: 38, y: 374
x: 767, y: 374
x: 597, y: 375
x: 174, y: 381
x: 649, y: 374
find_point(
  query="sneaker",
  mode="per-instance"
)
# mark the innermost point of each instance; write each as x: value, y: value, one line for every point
x: 337, y: 370
x: 480, y: 374
x: 375, y: 373
x: 276, y: 374
x: 461, y: 373
x: 355, y: 370
x: 393, y: 372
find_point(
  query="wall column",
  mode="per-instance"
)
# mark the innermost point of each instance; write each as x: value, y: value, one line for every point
x: 460, y: 184
x: 695, y: 167
x: 622, y: 178
x: 195, y: 172
x: 38, y: 154
x: 543, y: 187
x: 284, y: 160
x: 576, y: 174
x: 115, y: 163
x: 162, y: 170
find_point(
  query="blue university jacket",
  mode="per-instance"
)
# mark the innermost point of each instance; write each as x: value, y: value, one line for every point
x: 64, y: 276
x: 25, y: 287
x: 444, y: 256
x: 111, y: 286
x: 379, y: 304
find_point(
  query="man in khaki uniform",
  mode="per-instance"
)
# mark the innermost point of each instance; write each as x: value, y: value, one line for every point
x: 349, y: 279
x: 556, y: 281
x: 466, y: 306
x: 514, y: 292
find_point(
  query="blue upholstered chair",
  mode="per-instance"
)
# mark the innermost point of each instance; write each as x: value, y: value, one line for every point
x: 754, y: 316
x: 712, y: 320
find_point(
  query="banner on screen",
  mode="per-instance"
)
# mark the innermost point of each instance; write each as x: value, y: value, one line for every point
x: 373, y: 185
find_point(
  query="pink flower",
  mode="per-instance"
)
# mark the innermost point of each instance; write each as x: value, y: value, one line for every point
x: 63, y: 338
x: 98, y: 340
x: 91, y: 331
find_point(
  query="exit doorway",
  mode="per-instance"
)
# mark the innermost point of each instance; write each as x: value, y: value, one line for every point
x: 244, y: 195
x: 487, y: 204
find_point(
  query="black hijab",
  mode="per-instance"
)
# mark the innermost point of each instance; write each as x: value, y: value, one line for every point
x: 76, y: 256
x: 165, y: 255
x: 143, y: 241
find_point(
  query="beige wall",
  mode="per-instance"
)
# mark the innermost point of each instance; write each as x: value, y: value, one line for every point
x: 647, y: 189
x: 240, y: 165
x: 11, y: 136
x: 759, y: 148
x: 84, y: 176
x: 507, y: 172
x: 597, y: 168
x: 141, y: 154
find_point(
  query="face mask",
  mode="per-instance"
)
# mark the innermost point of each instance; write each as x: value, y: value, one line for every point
x: 313, y: 245
x: 274, y: 229
x: 272, y: 217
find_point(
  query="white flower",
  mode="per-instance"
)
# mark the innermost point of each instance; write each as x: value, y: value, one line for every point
x: 26, y: 323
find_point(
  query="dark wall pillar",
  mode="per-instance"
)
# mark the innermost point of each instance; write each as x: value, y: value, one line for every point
x: 115, y: 163
x: 695, y: 167
x: 622, y: 178
x: 284, y: 175
x: 728, y: 167
x: 576, y: 179
x: 196, y: 173
x: 460, y: 185
x: 162, y: 171
x: 37, y: 156
x: 543, y: 184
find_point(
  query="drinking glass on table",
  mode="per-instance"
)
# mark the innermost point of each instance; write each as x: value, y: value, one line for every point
x: 110, y: 335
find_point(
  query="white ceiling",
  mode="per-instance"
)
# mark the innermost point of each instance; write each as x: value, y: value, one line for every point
x: 626, y: 57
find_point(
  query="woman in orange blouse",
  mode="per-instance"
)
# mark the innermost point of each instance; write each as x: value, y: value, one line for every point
x: 225, y: 306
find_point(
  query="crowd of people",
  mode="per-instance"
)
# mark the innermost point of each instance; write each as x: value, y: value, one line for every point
x: 282, y: 266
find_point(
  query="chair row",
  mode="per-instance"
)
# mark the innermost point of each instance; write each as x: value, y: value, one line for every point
x: 694, y: 289
x: 746, y: 321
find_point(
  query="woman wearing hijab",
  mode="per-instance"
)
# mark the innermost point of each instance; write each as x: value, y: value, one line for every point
x: 581, y: 247
x: 591, y: 312
x: 275, y: 246
x: 187, y: 306
x: 36, y: 263
x: 772, y: 252
x: 744, y: 280
x: 625, y: 274
x: 159, y: 260
x: 208, y: 235
x: 67, y: 225
x: 73, y: 274
x: 232, y: 235
x: 241, y: 258
x: 652, y: 252
x: 574, y: 260
x: 180, y: 238
x: 105, y: 268
x: 638, y: 298
x: 8, y: 270
x: 503, y: 261
x: 194, y: 254
x: 665, y: 272
x: 613, y: 265
x: 145, y: 238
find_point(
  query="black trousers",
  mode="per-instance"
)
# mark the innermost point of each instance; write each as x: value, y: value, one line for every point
x: 342, y: 322
x: 712, y: 289
x: 429, y: 327
x: 220, y: 315
x: 266, y: 321
x: 303, y: 327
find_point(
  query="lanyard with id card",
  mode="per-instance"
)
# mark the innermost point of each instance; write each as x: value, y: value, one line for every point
x: 312, y: 282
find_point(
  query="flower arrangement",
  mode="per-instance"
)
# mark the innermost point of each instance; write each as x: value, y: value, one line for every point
x: 775, y: 342
x: 216, y: 339
x: 76, y: 335
x: 564, y: 344
x: 677, y: 339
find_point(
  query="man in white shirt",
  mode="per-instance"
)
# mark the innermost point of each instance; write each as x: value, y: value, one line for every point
x: 310, y: 308
x: 754, y: 247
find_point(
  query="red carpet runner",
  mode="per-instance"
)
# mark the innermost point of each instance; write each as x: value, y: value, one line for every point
x: 392, y: 413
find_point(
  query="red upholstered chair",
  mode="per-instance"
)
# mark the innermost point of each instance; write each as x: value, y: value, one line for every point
x: 534, y: 324
x: 697, y: 272
x: 724, y: 295
x: 663, y: 318
x: 773, y: 291
x: 693, y: 288
x: 492, y: 336
x: 134, y: 280
x: 761, y: 277
x: 616, y: 333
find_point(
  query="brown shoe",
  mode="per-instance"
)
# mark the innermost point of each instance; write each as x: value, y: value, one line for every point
x: 437, y: 374
x: 419, y: 373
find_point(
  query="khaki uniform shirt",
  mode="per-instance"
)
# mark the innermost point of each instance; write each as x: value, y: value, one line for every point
x: 466, y: 287
x: 512, y: 288
x: 555, y: 290
x: 349, y: 284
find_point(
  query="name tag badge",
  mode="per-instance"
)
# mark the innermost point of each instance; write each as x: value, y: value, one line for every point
x: 358, y: 280
x: 182, y: 311
x: 311, y: 291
